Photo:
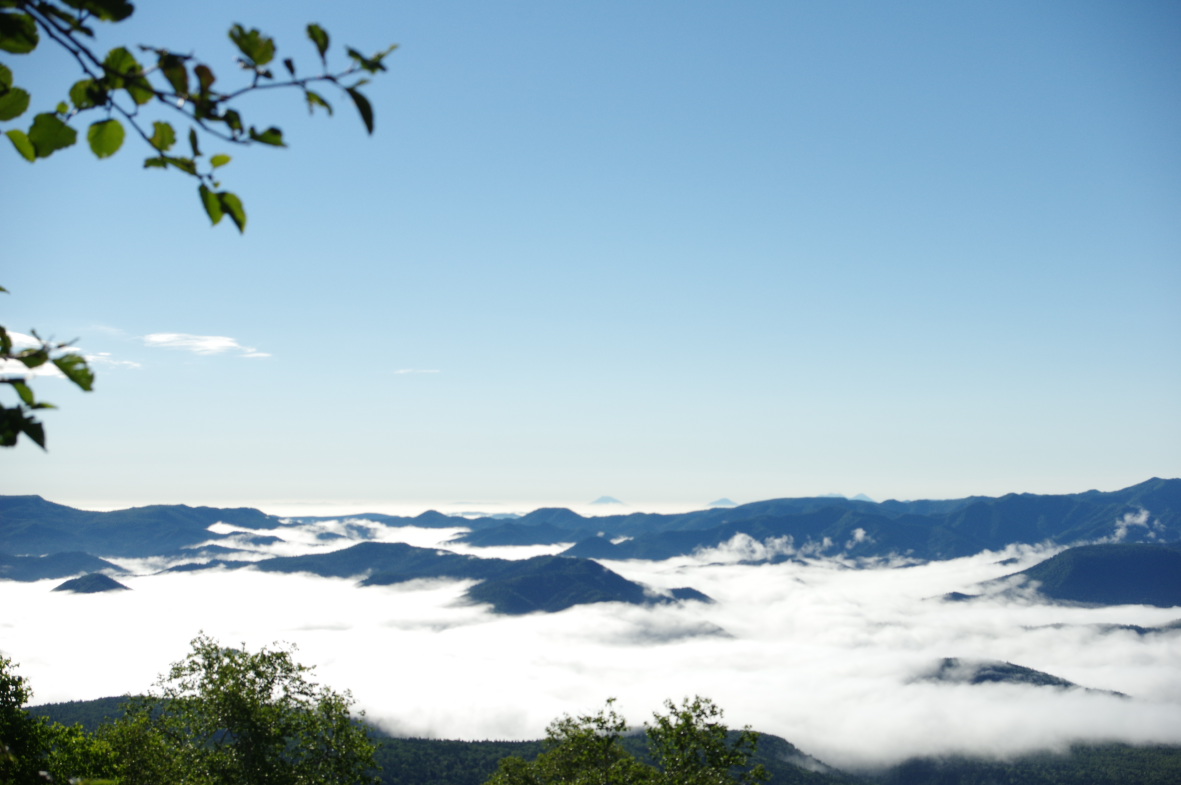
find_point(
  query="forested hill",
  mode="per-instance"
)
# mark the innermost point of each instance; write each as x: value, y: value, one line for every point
x: 1112, y: 574
x: 924, y: 529
x: 1148, y: 512
x: 448, y: 762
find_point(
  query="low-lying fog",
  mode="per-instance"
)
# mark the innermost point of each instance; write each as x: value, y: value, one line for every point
x: 818, y: 653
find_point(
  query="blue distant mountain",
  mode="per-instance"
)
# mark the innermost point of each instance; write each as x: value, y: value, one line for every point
x: 924, y: 529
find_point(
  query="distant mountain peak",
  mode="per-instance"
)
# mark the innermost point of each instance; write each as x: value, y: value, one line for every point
x: 606, y: 500
x: 722, y: 502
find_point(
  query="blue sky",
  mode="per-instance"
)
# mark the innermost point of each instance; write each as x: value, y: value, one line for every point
x: 664, y: 251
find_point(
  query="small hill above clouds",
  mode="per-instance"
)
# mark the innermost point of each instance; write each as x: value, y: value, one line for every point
x: 955, y: 670
x: 606, y: 500
x: 91, y: 584
x: 1111, y: 574
x: 722, y: 502
x: 555, y: 583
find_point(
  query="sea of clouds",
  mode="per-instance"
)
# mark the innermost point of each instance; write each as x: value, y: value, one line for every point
x: 830, y: 657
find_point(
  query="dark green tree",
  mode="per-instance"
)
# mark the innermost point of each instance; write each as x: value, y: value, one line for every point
x: 227, y: 716
x: 23, y: 739
x: 693, y: 746
x: 689, y: 744
x: 583, y: 750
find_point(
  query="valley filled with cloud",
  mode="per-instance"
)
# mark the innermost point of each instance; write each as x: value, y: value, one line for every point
x: 834, y: 656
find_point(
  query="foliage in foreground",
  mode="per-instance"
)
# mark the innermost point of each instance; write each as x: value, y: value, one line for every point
x: 127, y: 95
x: 220, y: 716
x: 88, y: 750
x: 19, y: 419
x: 124, y: 92
x: 688, y: 744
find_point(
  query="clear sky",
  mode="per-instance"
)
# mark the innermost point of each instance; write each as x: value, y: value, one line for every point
x: 664, y: 251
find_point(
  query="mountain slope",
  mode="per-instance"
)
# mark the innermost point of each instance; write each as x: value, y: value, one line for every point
x: 54, y: 565
x: 1112, y: 574
x: 32, y: 525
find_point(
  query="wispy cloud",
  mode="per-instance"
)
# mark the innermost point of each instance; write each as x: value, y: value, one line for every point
x: 202, y: 344
x: 105, y: 359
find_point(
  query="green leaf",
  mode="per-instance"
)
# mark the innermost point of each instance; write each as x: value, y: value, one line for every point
x: 233, y: 120
x: 34, y: 430
x: 72, y: 20
x: 87, y: 94
x: 76, y: 370
x: 13, y: 103
x: 232, y: 205
x: 186, y: 165
x: 272, y: 136
x: 14, y: 422
x: 163, y: 136
x: 221, y: 159
x: 140, y: 90
x: 33, y: 358
x: 371, y: 64
x: 363, y: 106
x: 211, y: 203
x: 319, y: 37
x: 5, y: 77
x: 49, y: 134
x: 18, y: 33
x: 205, y: 77
x: 105, y: 137
x: 256, y: 47
x: 24, y: 391
x: 120, y: 64
x: 193, y: 143
x: 106, y: 10
x: 124, y: 71
x: 314, y: 100
x: 173, y: 68
x: 22, y: 144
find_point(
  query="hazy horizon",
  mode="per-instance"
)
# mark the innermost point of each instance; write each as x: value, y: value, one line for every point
x: 587, y: 507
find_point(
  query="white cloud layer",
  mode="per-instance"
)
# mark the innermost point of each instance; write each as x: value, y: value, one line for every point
x: 201, y: 344
x: 819, y: 653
